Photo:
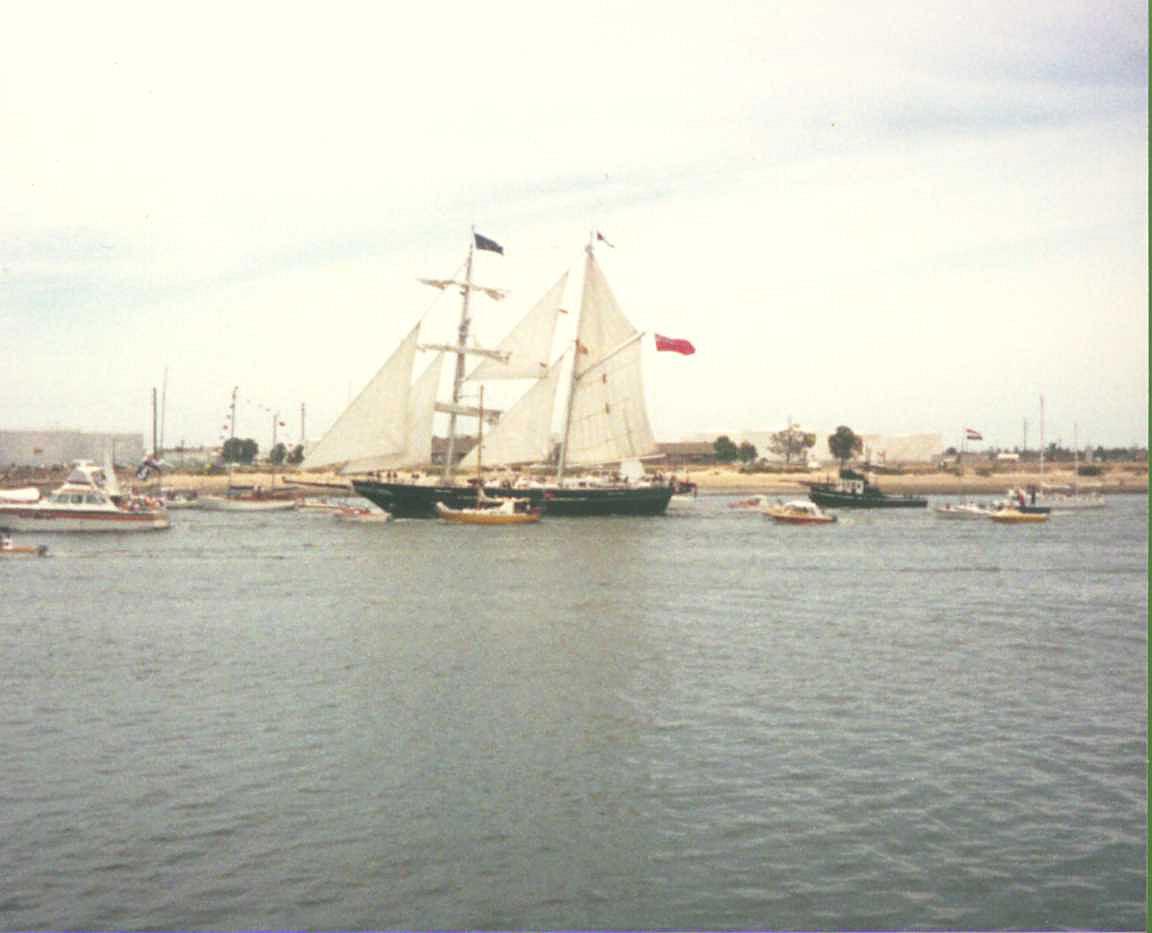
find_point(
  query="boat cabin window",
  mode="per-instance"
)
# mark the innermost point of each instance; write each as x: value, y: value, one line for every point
x: 92, y: 499
x: 77, y: 498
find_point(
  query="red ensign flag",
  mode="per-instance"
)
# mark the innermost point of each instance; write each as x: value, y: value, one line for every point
x: 674, y: 345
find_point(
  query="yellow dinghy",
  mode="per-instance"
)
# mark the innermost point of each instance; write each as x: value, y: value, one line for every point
x: 1014, y: 517
x: 507, y: 512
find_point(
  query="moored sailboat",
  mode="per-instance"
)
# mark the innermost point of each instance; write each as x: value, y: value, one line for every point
x: 389, y: 426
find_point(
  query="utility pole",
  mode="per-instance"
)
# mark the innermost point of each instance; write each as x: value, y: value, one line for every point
x: 302, y: 434
x: 163, y: 409
x: 155, y: 442
x: 232, y: 426
x: 1024, y: 446
x: 1041, y: 436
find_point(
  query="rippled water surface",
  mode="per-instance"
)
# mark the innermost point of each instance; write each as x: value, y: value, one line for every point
x: 698, y: 720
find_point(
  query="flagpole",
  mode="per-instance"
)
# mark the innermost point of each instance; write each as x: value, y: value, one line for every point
x: 1041, y: 439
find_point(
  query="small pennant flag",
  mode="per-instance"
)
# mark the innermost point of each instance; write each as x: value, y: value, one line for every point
x: 482, y: 242
x: 603, y: 239
x: 973, y: 435
x: 674, y: 345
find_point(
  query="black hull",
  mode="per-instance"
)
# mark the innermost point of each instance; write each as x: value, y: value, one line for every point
x: 405, y: 500
x: 830, y: 499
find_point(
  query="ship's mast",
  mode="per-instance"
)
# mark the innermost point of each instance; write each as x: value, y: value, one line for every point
x: 461, y: 342
x: 588, y: 260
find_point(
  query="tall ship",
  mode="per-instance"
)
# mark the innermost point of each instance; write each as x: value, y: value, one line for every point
x: 388, y: 427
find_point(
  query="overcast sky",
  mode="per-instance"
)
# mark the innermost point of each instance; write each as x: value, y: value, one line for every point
x: 899, y: 216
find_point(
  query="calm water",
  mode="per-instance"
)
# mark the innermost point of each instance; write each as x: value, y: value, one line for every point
x: 705, y: 720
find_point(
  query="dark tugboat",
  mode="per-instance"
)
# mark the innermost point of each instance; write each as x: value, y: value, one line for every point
x: 854, y: 491
x: 388, y: 427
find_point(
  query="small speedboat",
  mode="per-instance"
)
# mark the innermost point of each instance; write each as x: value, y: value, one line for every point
x: 799, y: 512
x: 967, y: 510
x: 365, y: 516
x: 321, y: 507
x: 504, y: 512
x: 180, y: 500
x: 684, y: 495
x: 1016, y: 517
x: 756, y: 503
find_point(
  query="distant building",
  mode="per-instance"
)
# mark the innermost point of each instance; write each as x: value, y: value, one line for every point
x: 683, y: 453
x: 184, y: 458
x: 892, y: 449
x: 55, y: 447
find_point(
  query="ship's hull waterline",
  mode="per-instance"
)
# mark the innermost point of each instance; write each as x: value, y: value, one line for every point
x: 49, y: 520
x: 408, y: 500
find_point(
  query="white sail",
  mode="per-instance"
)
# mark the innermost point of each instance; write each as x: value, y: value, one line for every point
x: 529, y: 345
x: 609, y: 420
x: 417, y: 427
x: 421, y: 411
x: 603, y: 326
x: 608, y: 417
x: 524, y: 433
x: 373, y: 426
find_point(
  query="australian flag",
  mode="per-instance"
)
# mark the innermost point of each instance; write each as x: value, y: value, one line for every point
x: 482, y: 242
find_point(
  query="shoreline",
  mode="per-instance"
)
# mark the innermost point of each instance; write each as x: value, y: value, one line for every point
x: 939, y: 484
x: 1120, y: 479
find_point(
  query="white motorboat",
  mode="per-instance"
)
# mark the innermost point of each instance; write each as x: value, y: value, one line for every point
x: 757, y: 503
x: 89, y: 500
x: 1069, y: 499
x: 362, y: 516
x: 963, y: 511
x: 799, y: 512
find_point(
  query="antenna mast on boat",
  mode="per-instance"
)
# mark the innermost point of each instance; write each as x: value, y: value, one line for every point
x: 163, y: 410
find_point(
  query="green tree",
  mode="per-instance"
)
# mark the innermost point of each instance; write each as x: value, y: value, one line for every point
x: 747, y: 452
x: 276, y: 454
x: 296, y: 454
x: 240, y: 450
x: 844, y: 444
x: 791, y: 442
x: 725, y: 450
